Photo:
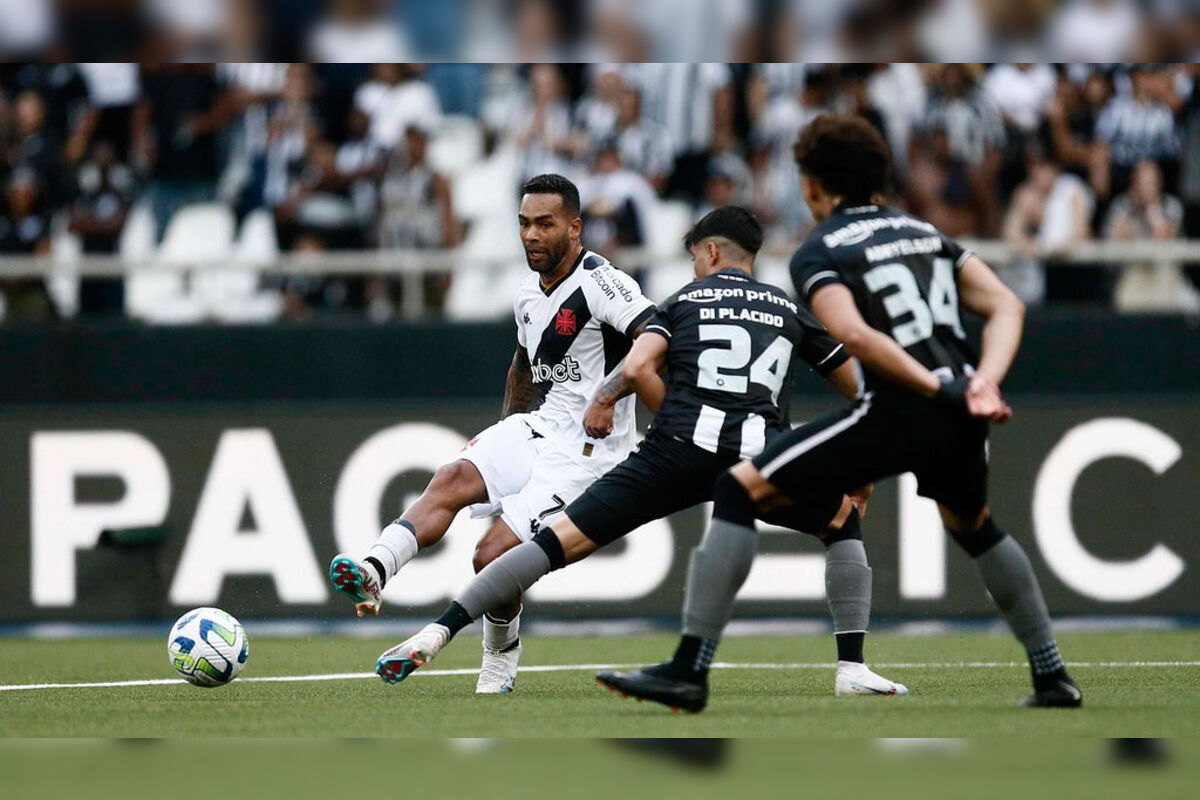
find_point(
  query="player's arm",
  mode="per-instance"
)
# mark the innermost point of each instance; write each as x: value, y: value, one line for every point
x: 844, y: 380
x: 834, y: 306
x: 598, y: 419
x: 982, y: 293
x: 617, y: 301
x: 519, y: 391
x: 644, y: 366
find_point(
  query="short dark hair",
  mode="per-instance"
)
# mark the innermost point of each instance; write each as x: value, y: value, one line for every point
x: 846, y: 155
x: 555, y: 184
x: 729, y: 222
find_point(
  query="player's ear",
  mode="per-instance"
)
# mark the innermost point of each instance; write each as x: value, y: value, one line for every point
x: 714, y: 253
x: 576, y: 229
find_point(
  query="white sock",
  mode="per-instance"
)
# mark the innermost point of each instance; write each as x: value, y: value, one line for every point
x: 396, y: 547
x: 499, y: 635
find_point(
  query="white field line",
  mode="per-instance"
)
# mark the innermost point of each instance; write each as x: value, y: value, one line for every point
x: 435, y: 673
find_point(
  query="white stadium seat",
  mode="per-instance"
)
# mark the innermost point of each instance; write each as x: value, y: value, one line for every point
x: 200, y: 233
x: 455, y: 145
x: 669, y: 221
x: 233, y: 295
x: 66, y: 248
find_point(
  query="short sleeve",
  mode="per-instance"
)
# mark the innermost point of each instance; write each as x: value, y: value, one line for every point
x: 662, y: 321
x: 818, y: 349
x: 616, y: 299
x: 517, y: 316
x: 813, y: 267
x: 955, y: 251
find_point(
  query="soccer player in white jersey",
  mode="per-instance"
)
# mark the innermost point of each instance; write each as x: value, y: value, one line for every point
x: 576, y: 318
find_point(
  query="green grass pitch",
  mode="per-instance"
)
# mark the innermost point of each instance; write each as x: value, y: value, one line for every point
x: 949, y: 699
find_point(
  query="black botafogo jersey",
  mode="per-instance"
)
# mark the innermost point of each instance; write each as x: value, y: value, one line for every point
x: 903, y: 273
x: 733, y: 340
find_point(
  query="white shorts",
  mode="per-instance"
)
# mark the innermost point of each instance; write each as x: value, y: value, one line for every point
x: 531, y: 475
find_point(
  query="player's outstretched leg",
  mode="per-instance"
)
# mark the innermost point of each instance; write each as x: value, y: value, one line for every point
x: 501, y: 626
x: 359, y: 581
x: 1010, y: 580
x: 413, y: 653
x: 502, y: 582
x: 848, y: 590
x: 716, y: 572
x: 454, y: 487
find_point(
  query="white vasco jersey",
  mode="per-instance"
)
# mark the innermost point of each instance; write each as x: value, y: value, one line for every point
x: 576, y: 334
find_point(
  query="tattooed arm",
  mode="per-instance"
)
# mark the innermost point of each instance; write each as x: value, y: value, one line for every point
x: 519, y: 391
x: 598, y: 420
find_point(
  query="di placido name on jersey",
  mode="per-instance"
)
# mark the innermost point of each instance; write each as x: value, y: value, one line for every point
x: 742, y: 315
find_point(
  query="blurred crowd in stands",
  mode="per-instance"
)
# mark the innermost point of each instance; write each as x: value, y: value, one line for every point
x: 331, y: 157
x: 1102, y: 31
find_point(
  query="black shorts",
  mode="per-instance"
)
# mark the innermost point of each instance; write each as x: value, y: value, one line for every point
x: 884, y: 434
x: 662, y: 476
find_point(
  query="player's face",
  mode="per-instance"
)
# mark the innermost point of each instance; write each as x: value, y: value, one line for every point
x: 547, y: 231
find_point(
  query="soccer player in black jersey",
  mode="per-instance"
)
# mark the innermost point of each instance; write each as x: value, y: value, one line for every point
x: 727, y: 341
x: 890, y: 287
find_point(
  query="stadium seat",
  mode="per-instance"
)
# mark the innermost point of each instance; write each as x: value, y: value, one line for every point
x: 489, y: 188
x: 233, y: 294
x: 66, y: 249
x: 667, y: 277
x: 456, y: 145
x: 478, y: 293
x: 196, y: 234
x: 774, y: 271
x: 669, y: 221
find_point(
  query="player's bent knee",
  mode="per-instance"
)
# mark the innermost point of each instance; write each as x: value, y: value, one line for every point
x: 488, y: 551
x: 978, y: 541
x: 456, y: 484
x: 850, y: 529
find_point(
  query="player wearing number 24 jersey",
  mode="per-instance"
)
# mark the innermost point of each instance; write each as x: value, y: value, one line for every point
x: 728, y: 342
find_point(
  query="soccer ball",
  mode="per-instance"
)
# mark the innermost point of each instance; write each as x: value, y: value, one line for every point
x: 207, y: 647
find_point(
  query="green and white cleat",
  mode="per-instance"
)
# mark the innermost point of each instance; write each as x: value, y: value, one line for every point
x: 358, y: 582
x: 413, y: 653
x: 855, y: 680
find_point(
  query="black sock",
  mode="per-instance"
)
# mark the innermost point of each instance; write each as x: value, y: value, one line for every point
x: 692, y: 658
x: 375, y: 562
x: 850, y: 645
x: 455, y: 617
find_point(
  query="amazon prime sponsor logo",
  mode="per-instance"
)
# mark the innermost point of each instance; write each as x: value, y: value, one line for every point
x: 860, y: 230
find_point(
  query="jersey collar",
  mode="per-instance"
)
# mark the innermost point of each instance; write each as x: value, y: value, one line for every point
x: 738, y: 271
x: 549, y: 290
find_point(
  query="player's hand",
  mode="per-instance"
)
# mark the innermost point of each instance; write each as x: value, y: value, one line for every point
x: 859, y: 497
x: 985, y: 401
x: 598, y: 420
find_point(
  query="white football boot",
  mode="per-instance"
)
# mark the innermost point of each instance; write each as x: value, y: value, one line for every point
x: 357, y: 581
x: 413, y: 653
x: 855, y: 679
x: 498, y: 674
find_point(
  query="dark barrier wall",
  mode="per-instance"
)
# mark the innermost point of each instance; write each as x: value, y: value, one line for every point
x: 133, y: 364
x: 219, y: 488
